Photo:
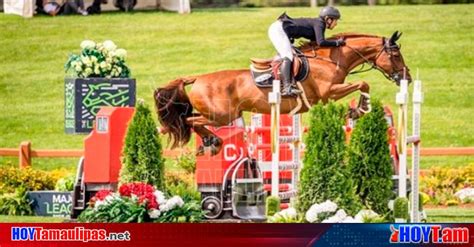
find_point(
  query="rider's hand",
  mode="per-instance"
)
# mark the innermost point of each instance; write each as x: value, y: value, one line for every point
x: 340, y: 42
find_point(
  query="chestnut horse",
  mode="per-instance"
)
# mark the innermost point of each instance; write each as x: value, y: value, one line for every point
x: 219, y: 98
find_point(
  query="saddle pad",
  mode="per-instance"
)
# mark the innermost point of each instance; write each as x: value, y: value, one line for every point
x: 264, y: 77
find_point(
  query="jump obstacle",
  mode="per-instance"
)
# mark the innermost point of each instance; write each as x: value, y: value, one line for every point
x: 263, y: 157
x: 404, y: 140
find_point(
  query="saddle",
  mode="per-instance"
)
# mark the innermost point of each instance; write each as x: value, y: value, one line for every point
x: 264, y: 71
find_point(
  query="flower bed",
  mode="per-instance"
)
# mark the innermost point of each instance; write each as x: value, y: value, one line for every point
x: 139, y: 202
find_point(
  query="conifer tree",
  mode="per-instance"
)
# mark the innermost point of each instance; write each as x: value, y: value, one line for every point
x: 324, y: 175
x: 142, y: 151
x: 369, y: 160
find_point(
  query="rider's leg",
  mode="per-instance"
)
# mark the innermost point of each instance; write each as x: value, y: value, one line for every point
x: 282, y: 44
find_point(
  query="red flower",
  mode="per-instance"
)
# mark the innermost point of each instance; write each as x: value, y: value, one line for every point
x: 143, y: 191
x: 100, y: 195
x: 124, y: 190
x: 137, y: 188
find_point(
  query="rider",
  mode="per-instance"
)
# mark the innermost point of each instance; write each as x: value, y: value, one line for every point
x: 283, y: 32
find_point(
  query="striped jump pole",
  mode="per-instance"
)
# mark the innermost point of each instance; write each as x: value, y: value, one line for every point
x: 274, y: 98
x: 404, y: 140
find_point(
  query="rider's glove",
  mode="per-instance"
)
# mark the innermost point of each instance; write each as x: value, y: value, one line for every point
x: 340, y: 42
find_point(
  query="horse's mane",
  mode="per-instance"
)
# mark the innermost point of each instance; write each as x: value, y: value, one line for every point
x: 311, y: 44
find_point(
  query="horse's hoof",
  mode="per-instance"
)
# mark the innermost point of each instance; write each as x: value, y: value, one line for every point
x: 200, y: 151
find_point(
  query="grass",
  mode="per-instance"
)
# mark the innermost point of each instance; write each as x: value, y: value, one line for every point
x: 30, y: 219
x: 450, y: 214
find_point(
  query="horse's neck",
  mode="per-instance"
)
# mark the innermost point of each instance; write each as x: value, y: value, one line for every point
x: 360, y: 53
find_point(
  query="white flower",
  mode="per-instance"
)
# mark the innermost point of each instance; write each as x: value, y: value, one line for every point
x: 87, y: 44
x: 177, y: 201
x: 160, y: 197
x: 312, y: 214
x: 332, y: 219
x: 93, y: 59
x: 103, y: 65
x: 78, y: 67
x: 98, y: 204
x: 121, y: 53
x: 96, y: 69
x: 349, y: 219
x: 328, y: 206
x: 341, y: 214
x: 85, y: 60
x: 87, y: 72
x: 110, y: 198
x: 390, y: 204
x: 365, y: 214
x: 289, y: 213
x: 154, y: 213
x: 466, y: 193
x: 172, y: 203
x: 109, y: 45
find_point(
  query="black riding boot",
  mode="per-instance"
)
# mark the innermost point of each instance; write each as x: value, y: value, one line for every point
x: 286, y: 79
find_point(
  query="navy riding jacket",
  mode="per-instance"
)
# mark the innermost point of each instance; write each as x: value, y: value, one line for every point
x: 309, y: 28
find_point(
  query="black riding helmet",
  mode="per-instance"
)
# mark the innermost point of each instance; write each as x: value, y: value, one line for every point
x: 331, y: 12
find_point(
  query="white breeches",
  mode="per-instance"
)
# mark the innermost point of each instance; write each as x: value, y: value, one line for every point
x: 280, y: 40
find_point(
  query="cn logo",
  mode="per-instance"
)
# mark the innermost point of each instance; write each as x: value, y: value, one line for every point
x: 231, y: 152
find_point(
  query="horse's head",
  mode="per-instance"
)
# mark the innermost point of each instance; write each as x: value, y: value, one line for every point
x: 390, y: 60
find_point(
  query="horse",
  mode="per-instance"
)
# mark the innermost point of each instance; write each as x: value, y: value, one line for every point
x: 218, y: 98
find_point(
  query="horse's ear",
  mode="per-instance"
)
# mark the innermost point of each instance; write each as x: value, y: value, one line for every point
x: 395, y: 36
x: 399, y: 35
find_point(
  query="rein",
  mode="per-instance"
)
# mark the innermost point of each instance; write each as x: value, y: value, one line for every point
x: 373, y: 65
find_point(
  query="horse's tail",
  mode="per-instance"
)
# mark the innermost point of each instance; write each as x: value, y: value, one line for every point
x: 173, y: 108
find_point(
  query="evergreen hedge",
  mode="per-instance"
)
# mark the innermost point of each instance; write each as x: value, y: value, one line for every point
x: 369, y: 160
x: 324, y: 175
x: 143, y: 160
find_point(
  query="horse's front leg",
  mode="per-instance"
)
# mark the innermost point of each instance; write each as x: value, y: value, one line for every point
x: 210, y: 140
x: 338, y: 91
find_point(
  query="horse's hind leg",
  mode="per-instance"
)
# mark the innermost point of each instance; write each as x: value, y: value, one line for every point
x: 339, y: 91
x: 209, y: 139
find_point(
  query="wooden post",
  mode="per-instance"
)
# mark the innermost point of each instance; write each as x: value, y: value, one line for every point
x: 25, y: 154
x: 314, y: 3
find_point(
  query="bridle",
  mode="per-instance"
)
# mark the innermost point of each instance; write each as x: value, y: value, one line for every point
x: 395, y: 76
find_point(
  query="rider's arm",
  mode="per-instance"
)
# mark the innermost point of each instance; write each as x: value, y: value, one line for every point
x: 319, y: 29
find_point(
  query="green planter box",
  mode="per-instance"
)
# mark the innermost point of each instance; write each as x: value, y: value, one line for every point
x: 85, y: 96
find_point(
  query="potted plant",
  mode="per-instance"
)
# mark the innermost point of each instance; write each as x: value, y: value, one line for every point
x: 98, y: 76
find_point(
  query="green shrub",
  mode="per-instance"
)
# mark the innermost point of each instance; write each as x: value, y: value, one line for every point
x: 65, y: 184
x: 143, y: 153
x: 16, y: 203
x: 118, y: 211
x: 324, y: 175
x: 182, y: 184
x: 369, y: 160
x: 28, y: 178
x: 187, y: 162
x: 272, y: 205
x: 400, y: 208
